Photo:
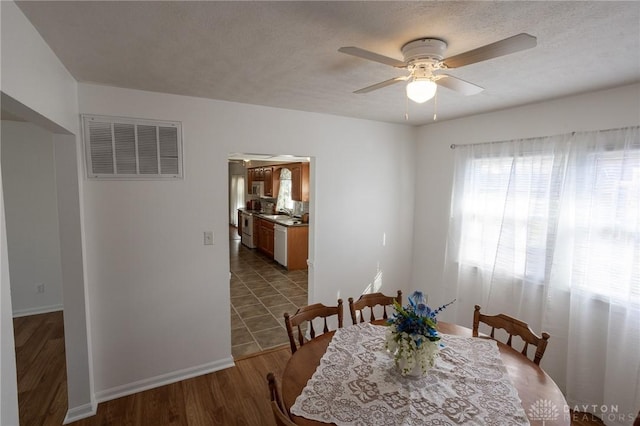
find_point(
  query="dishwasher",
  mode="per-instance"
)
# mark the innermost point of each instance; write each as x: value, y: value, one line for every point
x: 280, y: 244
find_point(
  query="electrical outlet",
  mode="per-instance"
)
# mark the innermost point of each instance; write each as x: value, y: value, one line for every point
x: 208, y: 238
x: 40, y: 288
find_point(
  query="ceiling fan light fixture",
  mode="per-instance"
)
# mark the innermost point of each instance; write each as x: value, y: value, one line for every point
x: 420, y: 90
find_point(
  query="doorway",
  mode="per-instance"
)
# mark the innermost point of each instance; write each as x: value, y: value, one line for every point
x: 33, y: 249
x: 42, y: 293
x: 261, y: 289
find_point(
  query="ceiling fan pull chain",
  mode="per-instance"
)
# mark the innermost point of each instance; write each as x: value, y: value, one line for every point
x: 435, y: 107
x: 406, y: 108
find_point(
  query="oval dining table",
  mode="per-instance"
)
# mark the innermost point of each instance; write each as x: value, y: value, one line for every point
x: 531, y: 382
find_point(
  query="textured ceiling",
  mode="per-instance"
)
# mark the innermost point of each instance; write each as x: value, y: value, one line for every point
x: 284, y: 54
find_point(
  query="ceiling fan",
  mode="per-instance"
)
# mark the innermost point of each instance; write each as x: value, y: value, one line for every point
x: 423, y: 58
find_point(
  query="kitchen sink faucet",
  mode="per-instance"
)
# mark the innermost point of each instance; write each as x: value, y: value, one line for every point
x: 287, y: 211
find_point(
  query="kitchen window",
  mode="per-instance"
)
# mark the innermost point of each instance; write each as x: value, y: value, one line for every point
x: 284, y: 201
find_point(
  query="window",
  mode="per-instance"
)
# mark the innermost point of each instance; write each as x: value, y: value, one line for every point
x: 284, y: 201
x: 527, y: 213
x: 607, y: 238
x: 124, y: 148
x: 548, y: 230
x: 499, y: 213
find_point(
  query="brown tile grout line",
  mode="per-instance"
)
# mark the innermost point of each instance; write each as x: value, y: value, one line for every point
x: 265, y: 306
x: 253, y: 270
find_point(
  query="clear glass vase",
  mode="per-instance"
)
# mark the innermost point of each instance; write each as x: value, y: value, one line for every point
x: 418, y: 363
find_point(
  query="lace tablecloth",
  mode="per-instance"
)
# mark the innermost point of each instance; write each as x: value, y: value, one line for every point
x: 357, y: 383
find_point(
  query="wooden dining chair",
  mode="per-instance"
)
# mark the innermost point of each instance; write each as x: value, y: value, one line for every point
x: 370, y: 301
x: 514, y: 327
x: 305, y: 316
x: 279, y: 412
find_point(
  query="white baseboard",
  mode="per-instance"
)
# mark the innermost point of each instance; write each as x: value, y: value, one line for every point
x: 37, y: 310
x: 163, y: 379
x: 81, y: 412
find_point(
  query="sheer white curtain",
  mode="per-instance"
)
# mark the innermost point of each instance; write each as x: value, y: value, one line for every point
x: 548, y: 230
x: 284, y: 201
x: 236, y: 198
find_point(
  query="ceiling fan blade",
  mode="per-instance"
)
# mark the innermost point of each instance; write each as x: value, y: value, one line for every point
x: 371, y: 56
x: 458, y: 85
x: 507, y: 46
x: 381, y: 85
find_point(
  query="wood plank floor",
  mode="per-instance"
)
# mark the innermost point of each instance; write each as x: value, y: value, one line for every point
x: 235, y: 396
x: 41, y: 371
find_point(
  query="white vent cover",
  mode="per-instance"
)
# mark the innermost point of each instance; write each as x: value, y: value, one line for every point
x: 125, y: 148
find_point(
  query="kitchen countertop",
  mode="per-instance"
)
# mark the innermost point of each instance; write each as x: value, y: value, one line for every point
x: 288, y: 221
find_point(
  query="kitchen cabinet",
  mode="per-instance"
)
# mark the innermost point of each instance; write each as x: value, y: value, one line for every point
x: 262, y: 174
x: 275, y: 181
x: 250, y: 178
x: 297, y: 247
x: 267, y: 175
x: 265, y: 236
x: 296, y: 237
x: 271, y: 178
x: 240, y: 223
x: 299, y: 181
x: 255, y: 174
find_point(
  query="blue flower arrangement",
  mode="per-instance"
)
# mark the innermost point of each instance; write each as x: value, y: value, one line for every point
x: 412, y: 335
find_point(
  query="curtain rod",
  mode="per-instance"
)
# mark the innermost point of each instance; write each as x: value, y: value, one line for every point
x: 454, y: 146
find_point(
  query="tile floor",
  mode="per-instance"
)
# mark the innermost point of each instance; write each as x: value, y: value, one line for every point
x: 261, y: 292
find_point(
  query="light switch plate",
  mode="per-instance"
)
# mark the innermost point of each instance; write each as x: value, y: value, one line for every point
x: 208, y: 238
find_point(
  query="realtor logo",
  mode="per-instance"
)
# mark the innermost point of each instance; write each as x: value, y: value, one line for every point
x: 543, y: 410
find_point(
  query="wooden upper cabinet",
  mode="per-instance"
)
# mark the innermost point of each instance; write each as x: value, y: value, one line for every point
x: 271, y: 178
x: 276, y: 180
x: 299, y: 181
x: 255, y: 174
x: 267, y: 173
x: 250, y: 177
x: 296, y: 182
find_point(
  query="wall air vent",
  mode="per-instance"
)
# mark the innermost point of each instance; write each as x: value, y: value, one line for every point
x: 131, y: 149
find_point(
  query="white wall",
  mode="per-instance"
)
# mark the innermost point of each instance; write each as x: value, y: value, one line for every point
x: 9, y: 388
x: 31, y: 214
x: 81, y: 402
x: 159, y: 297
x: 37, y: 87
x: 32, y: 74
